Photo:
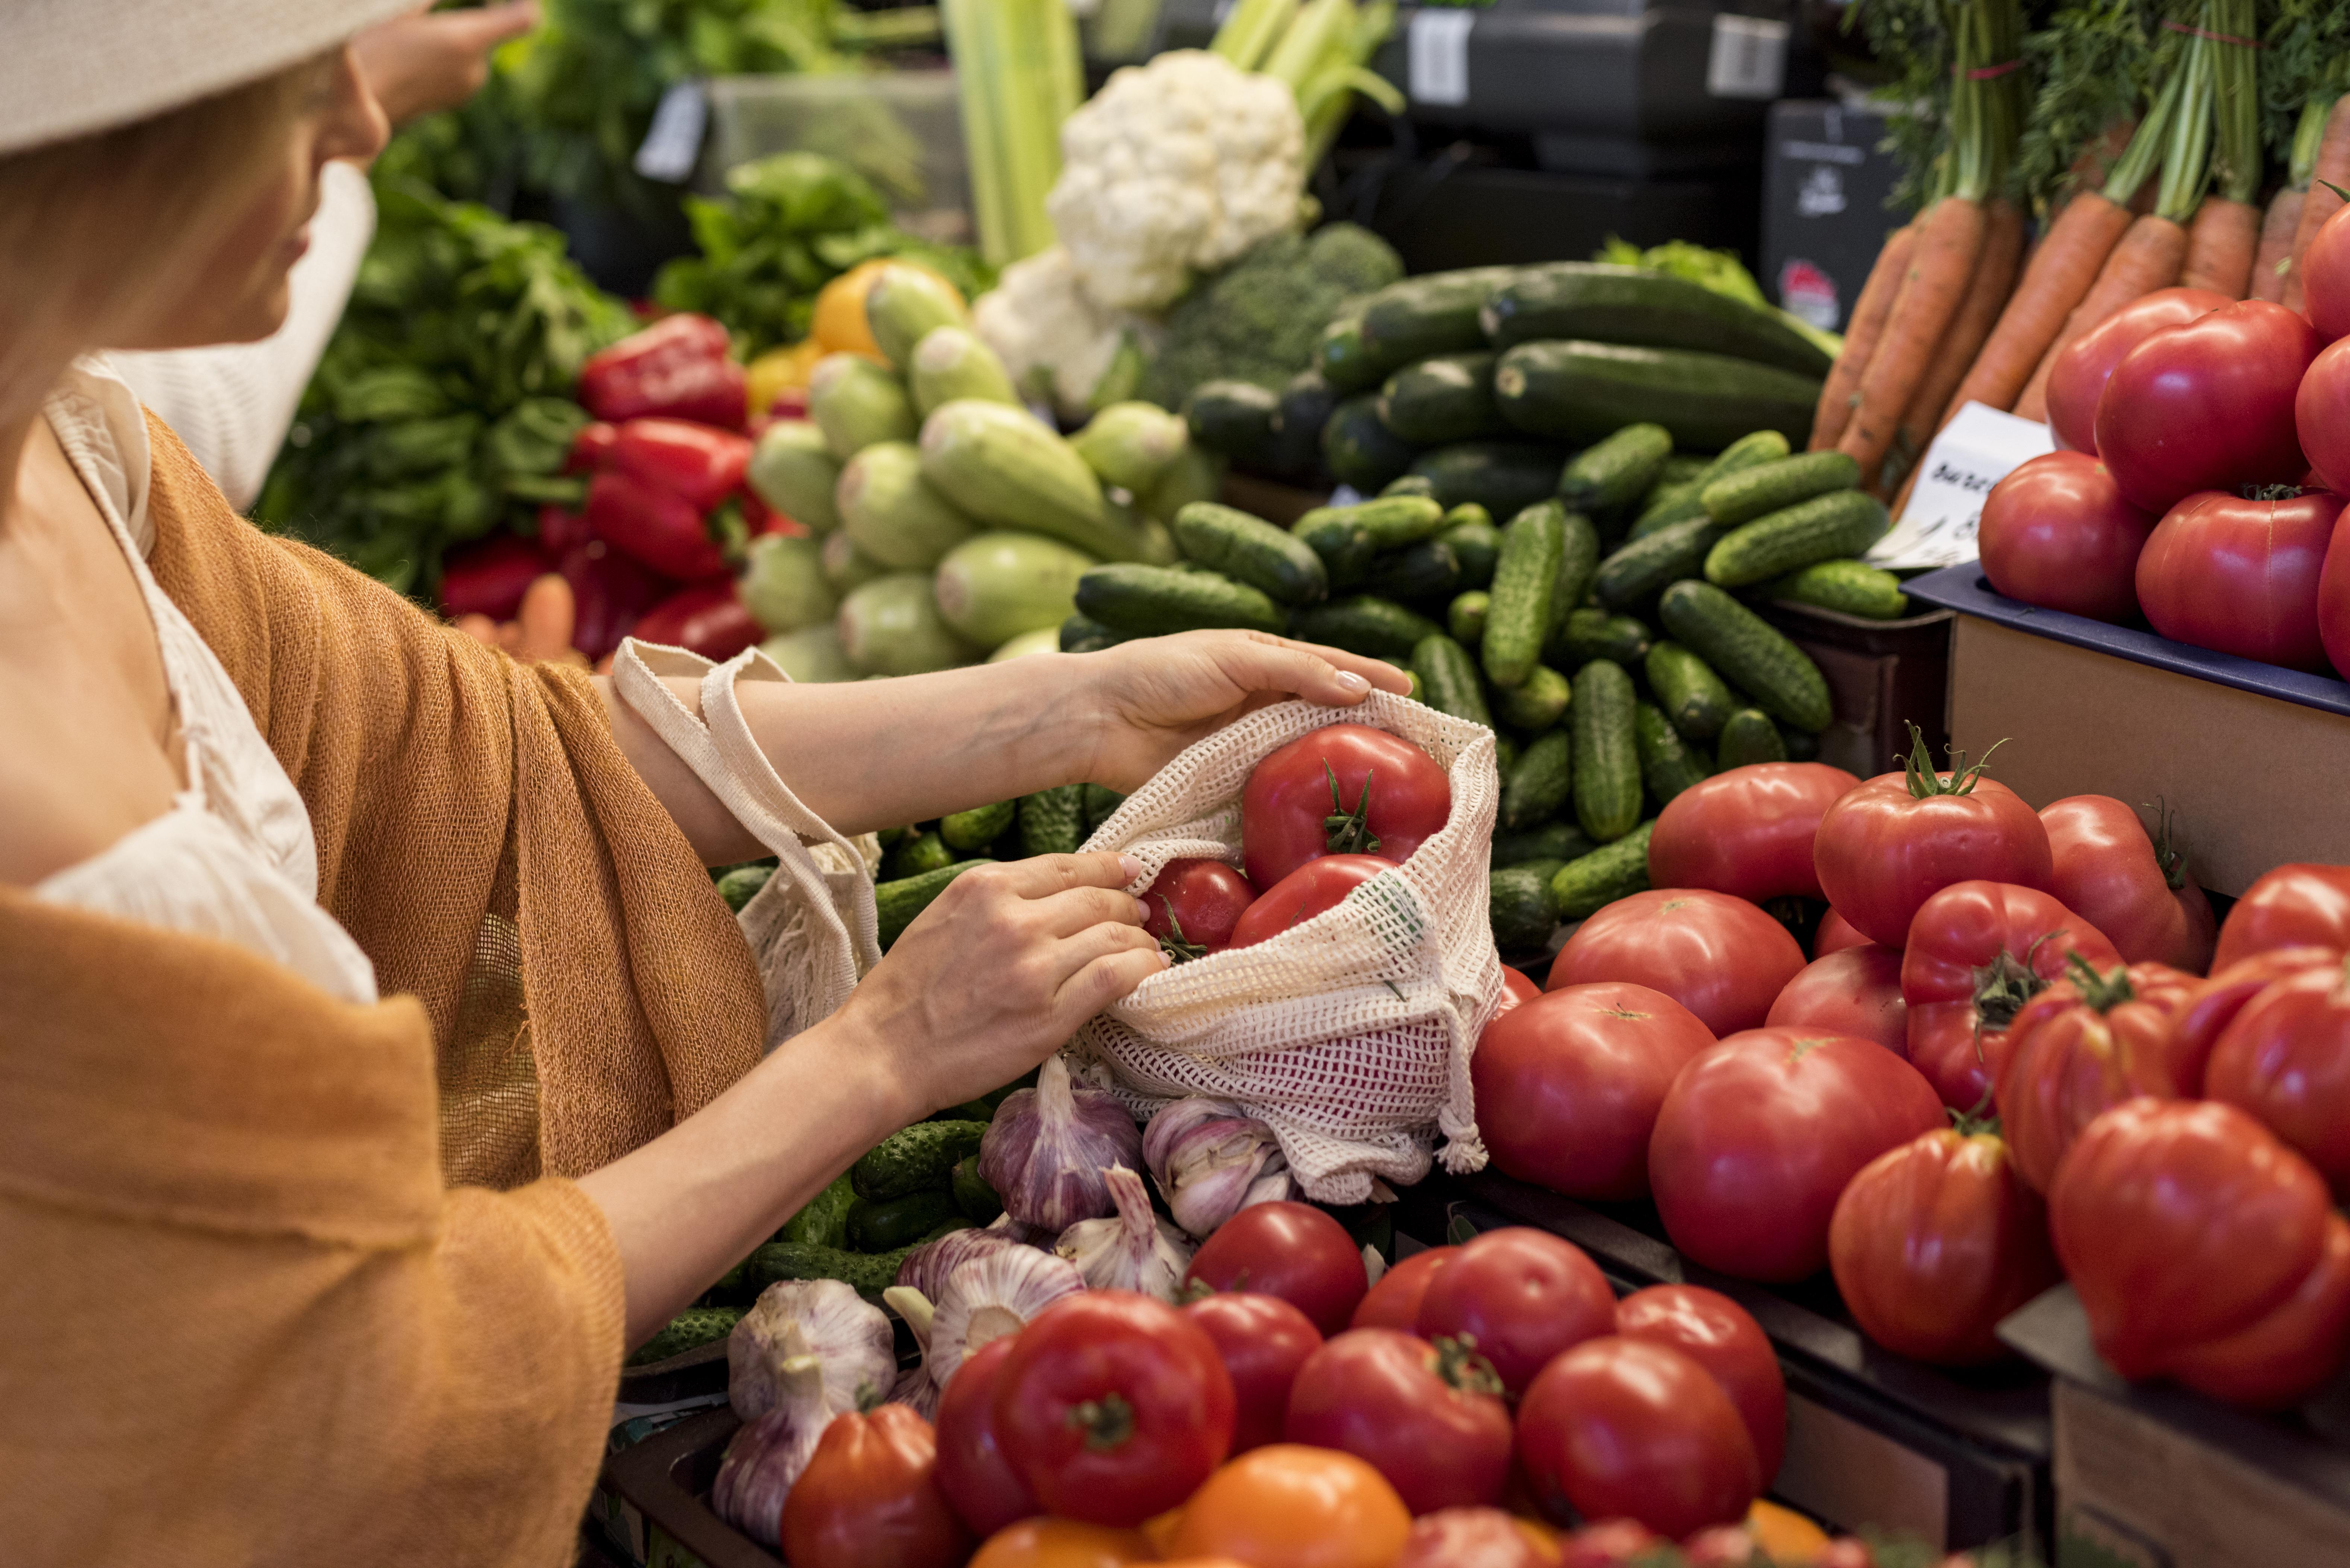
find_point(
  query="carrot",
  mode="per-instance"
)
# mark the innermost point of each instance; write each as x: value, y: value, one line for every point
x: 2147, y: 258
x: 2274, y: 257
x: 1987, y: 292
x: 1950, y: 242
x: 2064, y: 268
x: 2332, y: 168
x: 2221, y: 244
x: 1860, y: 335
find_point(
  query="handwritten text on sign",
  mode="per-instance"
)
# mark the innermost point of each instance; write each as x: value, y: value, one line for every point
x: 1975, y: 450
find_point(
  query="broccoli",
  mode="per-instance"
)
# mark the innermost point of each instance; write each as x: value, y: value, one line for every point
x: 1259, y: 320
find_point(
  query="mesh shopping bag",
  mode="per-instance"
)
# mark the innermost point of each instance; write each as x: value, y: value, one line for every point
x: 1349, y: 1034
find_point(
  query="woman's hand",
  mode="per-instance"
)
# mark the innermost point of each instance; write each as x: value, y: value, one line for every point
x: 1156, y: 697
x: 999, y: 972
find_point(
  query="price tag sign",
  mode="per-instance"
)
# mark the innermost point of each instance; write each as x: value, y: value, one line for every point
x: 1749, y: 56
x: 1976, y: 450
x: 672, y: 142
x: 1438, y: 45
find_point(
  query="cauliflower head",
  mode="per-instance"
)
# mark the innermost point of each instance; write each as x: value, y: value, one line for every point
x: 1175, y: 168
x: 1061, y: 345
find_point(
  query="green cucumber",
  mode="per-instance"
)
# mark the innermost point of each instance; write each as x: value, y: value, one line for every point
x: 1428, y: 570
x: 1465, y: 617
x: 1101, y: 801
x: 1849, y: 587
x: 897, y: 901
x: 1525, y: 587
x: 1446, y: 399
x: 1667, y: 766
x: 1417, y: 691
x: 1235, y: 419
x: 1307, y: 401
x: 1347, y: 538
x: 1153, y: 601
x: 823, y: 1220
x: 689, y: 1329
x: 1750, y: 493
x: 1607, y: 758
x: 1588, y: 634
x: 741, y: 885
x: 979, y: 1201
x: 1340, y: 357
x: 1576, y: 390
x: 1374, y: 627
x: 1681, y: 468
x: 1746, y: 651
x: 1552, y: 841
x: 880, y: 1225
x: 1747, y: 452
x: 1613, y: 871
x: 1523, y: 911
x: 1475, y: 542
x: 1640, y: 568
x: 1251, y: 550
x: 1687, y: 692
x: 978, y: 828
x: 1052, y: 821
x: 869, y: 1272
x: 1504, y: 477
x: 1535, y: 704
x: 1749, y: 736
x: 1505, y: 753
x: 1611, y: 304
x: 1447, y: 680
x: 1410, y: 484
x: 1668, y: 503
x: 1605, y: 478
x: 1578, y: 570
x: 1436, y: 313
x: 917, y: 857
x: 1825, y: 529
x: 1541, y: 780
x: 1083, y: 634
x: 914, y: 1159
x: 1359, y: 450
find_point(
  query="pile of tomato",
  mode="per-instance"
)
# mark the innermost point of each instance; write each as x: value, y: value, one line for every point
x: 1291, y: 1415
x: 1319, y: 818
x: 2206, y: 460
x: 2168, y: 1141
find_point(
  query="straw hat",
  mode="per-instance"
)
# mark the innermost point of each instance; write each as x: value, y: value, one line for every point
x: 71, y: 67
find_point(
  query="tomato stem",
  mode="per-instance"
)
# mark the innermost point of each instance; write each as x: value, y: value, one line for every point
x: 1918, y: 769
x: 1979, y: 1122
x: 1108, y: 1422
x: 1174, y: 946
x: 1456, y: 1361
x: 2002, y: 988
x: 1349, y: 831
x: 2102, y: 992
x: 2167, y: 854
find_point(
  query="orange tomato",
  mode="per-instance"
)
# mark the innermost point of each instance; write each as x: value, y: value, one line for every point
x: 1062, y: 1543
x: 1786, y: 1537
x: 1289, y: 1506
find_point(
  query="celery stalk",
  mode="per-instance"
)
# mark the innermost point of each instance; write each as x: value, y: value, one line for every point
x: 1017, y: 74
x: 1248, y: 34
x: 1323, y: 24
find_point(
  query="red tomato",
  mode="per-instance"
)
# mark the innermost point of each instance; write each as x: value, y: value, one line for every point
x: 2321, y: 422
x: 2057, y: 534
x: 1626, y: 1428
x: 1263, y: 1341
x: 2206, y: 405
x: 984, y: 1490
x: 1937, y: 1241
x: 1758, y: 1136
x: 1524, y: 1296
x: 1518, y: 988
x: 1390, y: 792
x: 1313, y: 888
x: 1747, y: 832
x: 869, y: 1498
x: 1722, y: 1337
x: 1719, y: 957
x: 1473, y: 1538
x: 2134, y: 888
x: 1977, y: 952
x: 1293, y: 1250
x: 1194, y: 905
x: 2078, y: 377
x: 2293, y: 906
x: 1113, y: 1406
x: 2181, y: 1223
x: 1834, y: 935
x: 1429, y: 1417
x: 2286, y: 1060
x: 1394, y: 1302
x: 1567, y: 1087
x: 1901, y: 838
x: 1854, y: 992
x: 2240, y: 577
x: 2086, y: 1044
x: 707, y: 618
x: 2333, y: 604
x: 2325, y: 280
x: 2278, y: 1361
x: 2207, y: 1010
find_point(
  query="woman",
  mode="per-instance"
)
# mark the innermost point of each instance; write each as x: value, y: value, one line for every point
x: 308, y: 905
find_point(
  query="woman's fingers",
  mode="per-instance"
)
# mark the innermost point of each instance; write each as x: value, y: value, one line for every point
x: 1042, y: 876
x: 1065, y: 913
x: 1311, y: 670
x: 1104, y: 979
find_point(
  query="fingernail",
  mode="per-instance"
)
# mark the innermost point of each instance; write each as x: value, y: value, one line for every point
x: 1350, y: 681
x: 1142, y: 908
x: 1130, y: 866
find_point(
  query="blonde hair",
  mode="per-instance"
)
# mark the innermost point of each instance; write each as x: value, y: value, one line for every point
x: 91, y: 226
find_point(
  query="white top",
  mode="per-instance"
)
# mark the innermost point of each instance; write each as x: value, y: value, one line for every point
x: 233, y: 404
x: 235, y: 857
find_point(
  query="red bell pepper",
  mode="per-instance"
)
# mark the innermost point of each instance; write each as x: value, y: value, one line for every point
x: 559, y: 528
x: 489, y: 578
x: 591, y: 449
x: 704, y: 464
x: 706, y: 619
x: 661, y: 530
x: 679, y: 367
x: 611, y: 593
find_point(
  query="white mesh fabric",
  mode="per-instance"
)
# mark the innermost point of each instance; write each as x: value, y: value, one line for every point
x: 1349, y: 1036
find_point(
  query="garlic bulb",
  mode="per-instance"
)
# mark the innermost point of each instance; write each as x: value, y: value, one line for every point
x: 1047, y: 1149
x: 1212, y: 1160
x: 765, y: 1456
x: 925, y: 1268
x: 991, y: 1295
x: 848, y: 1338
x: 1134, y: 1250
x: 915, y: 1389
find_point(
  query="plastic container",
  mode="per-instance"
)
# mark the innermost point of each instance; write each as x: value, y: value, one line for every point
x: 1883, y: 676
x: 900, y: 128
